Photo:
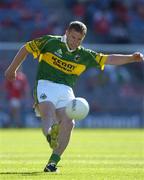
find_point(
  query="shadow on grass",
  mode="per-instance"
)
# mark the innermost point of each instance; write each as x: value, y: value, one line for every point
x: 22, y: 173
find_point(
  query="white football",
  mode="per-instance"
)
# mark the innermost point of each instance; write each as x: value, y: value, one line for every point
x: 77, y: 108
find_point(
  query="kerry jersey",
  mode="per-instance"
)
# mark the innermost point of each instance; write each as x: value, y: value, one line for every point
x: 58, y: 64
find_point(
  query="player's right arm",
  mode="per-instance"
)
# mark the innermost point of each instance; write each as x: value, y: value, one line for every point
x: 34, y: 47
x: 10, y: 72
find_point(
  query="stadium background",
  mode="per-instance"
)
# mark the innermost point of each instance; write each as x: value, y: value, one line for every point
x: 116, y: 96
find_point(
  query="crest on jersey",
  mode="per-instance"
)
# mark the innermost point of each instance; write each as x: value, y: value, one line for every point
x: 77, y: 58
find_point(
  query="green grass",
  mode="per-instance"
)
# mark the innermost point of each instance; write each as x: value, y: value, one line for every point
x: 91, y: 155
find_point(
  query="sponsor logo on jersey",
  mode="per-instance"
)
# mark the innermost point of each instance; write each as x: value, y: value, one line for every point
x: 58, y: 53
x: 65, y: 66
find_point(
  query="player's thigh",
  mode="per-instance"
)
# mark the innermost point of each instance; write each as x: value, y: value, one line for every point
x: 47, y: 109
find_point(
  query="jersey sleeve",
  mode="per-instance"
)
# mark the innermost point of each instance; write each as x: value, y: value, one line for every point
x: 98, y: 59
x: 101, y: 59
x: 36, y: 46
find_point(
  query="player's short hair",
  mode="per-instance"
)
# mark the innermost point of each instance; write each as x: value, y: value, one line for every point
x: 78, y: 26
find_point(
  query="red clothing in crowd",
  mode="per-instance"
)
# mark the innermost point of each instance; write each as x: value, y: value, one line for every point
x: 18, y: 87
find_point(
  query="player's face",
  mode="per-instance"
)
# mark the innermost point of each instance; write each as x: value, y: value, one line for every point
x: 74, y: 38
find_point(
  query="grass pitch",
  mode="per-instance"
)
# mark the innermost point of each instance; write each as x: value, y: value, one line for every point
x: 91, y: 155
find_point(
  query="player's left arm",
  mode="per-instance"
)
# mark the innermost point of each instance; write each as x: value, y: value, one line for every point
x: 119, y: 59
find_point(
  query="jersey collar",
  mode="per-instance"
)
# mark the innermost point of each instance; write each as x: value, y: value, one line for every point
x: 63, y: 39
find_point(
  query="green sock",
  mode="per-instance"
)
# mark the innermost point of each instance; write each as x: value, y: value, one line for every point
x: 54, y: 158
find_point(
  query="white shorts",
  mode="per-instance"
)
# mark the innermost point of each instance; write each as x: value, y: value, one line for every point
x: 58, y: 94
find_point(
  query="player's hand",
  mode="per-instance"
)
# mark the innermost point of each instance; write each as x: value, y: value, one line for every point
x: 10, y: 75
x: 137, y: 56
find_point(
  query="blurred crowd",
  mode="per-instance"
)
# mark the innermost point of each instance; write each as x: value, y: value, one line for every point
x: 108, y: 21
x: 118, y: 89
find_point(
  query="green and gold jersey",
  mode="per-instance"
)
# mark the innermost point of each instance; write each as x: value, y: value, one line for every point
x: 58, y: 64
